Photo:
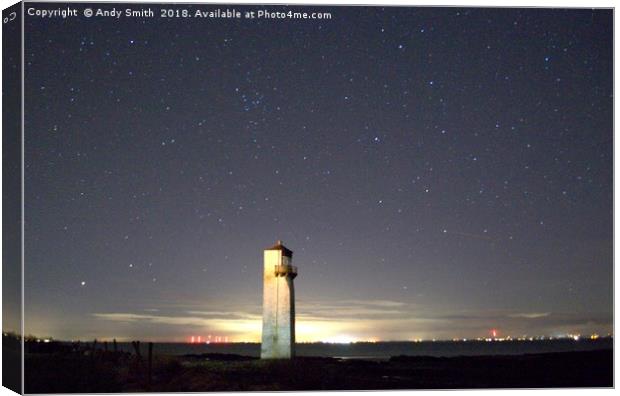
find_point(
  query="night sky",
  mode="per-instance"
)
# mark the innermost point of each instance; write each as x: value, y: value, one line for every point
x: 438, y: 172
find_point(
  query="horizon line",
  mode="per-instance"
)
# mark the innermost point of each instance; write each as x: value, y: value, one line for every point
x: 508, y: 338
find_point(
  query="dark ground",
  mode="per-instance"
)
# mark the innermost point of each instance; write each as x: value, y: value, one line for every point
x: 69, y: 371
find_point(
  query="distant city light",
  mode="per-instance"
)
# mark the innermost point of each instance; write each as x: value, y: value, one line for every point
x: 198, y: 339
x: 494, y: 335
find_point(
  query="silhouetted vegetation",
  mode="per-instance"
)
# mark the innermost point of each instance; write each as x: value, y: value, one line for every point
x: 93, y: 367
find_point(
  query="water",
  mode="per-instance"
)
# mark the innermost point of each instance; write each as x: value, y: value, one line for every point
x: 383, y: 350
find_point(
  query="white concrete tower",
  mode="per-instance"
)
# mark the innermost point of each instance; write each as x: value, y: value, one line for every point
x: 278, y: 304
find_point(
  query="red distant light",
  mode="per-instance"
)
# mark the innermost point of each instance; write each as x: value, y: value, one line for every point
x: 494, y: 333
x: 192, y: 340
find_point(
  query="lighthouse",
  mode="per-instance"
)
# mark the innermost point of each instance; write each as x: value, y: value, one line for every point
x: 278, y: 341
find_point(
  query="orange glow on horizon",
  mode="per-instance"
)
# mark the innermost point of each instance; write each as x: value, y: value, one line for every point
x: 247, y: 328
x: 312, y: 330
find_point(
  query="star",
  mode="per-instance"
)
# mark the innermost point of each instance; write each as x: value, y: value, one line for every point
x: 222, y: 141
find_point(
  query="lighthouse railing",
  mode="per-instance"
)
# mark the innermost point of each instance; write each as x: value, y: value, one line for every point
x: 285, y: 270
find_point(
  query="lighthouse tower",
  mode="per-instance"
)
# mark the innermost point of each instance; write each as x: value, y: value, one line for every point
x: 278, y: 303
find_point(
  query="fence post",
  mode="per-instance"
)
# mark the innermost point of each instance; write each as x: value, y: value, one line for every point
x: 136, y: 347
x: 150, y: 366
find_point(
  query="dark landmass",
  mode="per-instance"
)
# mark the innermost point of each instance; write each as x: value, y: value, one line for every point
x: 57, y: 368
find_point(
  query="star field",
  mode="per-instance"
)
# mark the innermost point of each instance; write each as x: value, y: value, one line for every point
x: 456, y: 162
